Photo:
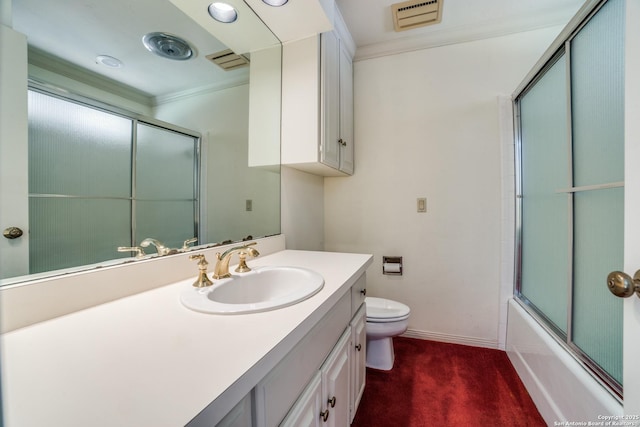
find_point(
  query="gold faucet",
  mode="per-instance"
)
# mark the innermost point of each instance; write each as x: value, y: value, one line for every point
x: 221, y: 270
x: 203, y: 281
x: 160, y: 247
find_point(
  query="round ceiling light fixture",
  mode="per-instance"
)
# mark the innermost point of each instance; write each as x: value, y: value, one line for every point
x: 275, y: 3
x: 168, y: 46
x: 223, y: 12
x: 109, y: 61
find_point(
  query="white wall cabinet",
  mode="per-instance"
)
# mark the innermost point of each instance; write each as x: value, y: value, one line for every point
x: 336, y: 88
x: 317, y: 103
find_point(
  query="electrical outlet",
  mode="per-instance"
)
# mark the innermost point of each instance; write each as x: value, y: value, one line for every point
x: 422, y: 204
x: 249, y: 205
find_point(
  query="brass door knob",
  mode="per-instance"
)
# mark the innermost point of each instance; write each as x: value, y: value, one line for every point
x: 12, y: 232
x: 622, y: 285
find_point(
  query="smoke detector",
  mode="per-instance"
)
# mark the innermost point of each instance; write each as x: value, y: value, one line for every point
x: 228, y: 60
x: 413, y: 14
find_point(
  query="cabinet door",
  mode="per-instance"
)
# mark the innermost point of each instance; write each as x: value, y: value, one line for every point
x: 358, y: 358
x: 346, y: 111
x: 307, y: 410
x: 330, y: 90
x: 335, y: 383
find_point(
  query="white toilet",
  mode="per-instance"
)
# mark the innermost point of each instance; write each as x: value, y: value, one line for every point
x: 385, y: 320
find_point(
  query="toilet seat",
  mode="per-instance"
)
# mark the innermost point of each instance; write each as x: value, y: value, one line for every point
x: 380, y: 310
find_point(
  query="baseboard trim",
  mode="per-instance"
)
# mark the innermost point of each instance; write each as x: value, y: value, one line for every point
x: 453, y: 339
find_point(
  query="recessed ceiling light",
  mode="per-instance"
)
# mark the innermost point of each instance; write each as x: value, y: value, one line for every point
x: 109, y: 61
x: 275, y: 3
x: 223, y: 12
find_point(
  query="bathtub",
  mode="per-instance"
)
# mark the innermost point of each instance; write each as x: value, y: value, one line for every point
x: 562, y: 389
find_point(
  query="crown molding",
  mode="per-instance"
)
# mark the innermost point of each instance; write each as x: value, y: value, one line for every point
x: 463, y: 34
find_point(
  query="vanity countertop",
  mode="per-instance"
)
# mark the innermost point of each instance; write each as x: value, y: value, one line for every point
x: 146, y: 360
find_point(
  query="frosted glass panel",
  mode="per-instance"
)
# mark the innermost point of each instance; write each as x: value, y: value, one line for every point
x: 597, y: 59
x: 165, y: 164
x: 598, y: 249
x: 67, y: 232
x: 171, y: 222
x: 545, y: 231
x: 77, y: 150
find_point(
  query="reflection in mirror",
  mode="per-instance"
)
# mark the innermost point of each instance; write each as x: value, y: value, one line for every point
x: 92, y: 52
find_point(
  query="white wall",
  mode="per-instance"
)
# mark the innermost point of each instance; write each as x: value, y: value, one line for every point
x: 426, y: 125
x: 302, y: 210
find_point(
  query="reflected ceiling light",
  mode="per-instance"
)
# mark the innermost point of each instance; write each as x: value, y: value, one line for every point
x: 223, y: 12
x: 167, y: 46
x: 109, y: 61
x: 275, y: 3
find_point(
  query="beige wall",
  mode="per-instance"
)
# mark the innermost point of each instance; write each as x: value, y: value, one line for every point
x: 426, y: 125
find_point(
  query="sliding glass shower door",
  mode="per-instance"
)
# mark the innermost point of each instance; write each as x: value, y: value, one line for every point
x: 571, y: 198
x: 165, y: 198
x: 99, y: 180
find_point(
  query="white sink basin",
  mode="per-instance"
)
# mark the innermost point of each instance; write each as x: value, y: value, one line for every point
x: 262, y: 289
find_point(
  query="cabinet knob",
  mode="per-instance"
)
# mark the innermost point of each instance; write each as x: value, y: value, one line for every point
x: 324, y: 415
x: 342, y: 142
x: 359, y: 347
x: 363, y: 292
x: 332, y: 401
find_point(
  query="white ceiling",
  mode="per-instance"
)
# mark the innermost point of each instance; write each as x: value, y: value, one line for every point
x: 371, y: 27
x: 79, y: 30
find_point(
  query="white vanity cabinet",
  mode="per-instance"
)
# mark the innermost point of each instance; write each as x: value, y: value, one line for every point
x: 358, y: 360
x: 306, y: 410
x: 323, y: 376
x: 330, y: 397
x: 317, y: 103
x: 240, y: 416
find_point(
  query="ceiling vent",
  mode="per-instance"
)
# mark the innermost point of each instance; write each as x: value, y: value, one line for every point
x: 416, y: 13
x: 228, y: 60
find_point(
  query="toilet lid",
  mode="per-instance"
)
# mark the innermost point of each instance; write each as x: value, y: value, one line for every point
x: 380, y: 309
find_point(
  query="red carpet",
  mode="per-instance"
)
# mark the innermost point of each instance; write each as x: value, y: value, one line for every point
x: 441, y: 384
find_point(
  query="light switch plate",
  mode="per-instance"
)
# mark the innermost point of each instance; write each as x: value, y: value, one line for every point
x: 422, y: 204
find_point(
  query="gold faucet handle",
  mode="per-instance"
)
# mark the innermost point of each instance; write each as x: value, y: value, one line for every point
x: 202, y: 281
x: 137, y: 249
x: 242, y: 263
x: 187, y: 242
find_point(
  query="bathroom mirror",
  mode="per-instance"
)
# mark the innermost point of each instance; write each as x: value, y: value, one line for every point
x: 93, y: 50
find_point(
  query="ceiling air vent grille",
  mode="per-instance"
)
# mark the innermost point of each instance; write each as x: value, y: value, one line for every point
x: 416, y: 13
x: 228, y: 60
